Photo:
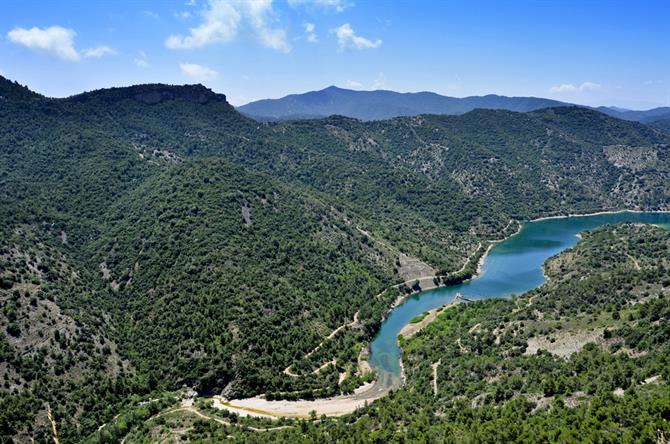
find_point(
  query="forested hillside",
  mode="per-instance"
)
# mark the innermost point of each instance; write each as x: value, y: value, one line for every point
x: 583, y: 358
x: 154, y: 238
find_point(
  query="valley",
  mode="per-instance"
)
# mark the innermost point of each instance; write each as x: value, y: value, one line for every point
x: 604, y: 362
x: 155, y: 242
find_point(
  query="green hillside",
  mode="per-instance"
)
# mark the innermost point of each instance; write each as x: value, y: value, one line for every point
x: 153, y: 238
x: 581, y: 359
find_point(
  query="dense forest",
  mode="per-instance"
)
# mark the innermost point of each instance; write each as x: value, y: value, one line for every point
x: 154, y: 239
x: 584, y: 358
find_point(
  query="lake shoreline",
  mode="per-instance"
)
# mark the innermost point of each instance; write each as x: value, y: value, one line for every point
x: 343, y: 404
x: 493, y: 243
x: 521, y: 223
x: 597, y: 213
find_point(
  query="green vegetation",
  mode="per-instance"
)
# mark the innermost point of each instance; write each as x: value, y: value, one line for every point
x: 493, y: 386
x: 418, y: 318
x: 154, y: 238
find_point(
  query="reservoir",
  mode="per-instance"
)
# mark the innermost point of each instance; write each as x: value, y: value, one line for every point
x: 512, y: 267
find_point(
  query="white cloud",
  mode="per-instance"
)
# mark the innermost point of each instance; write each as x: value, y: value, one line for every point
x: 274, y: 39
x: 346, y: 37
x: 354, y: 84
x: 55, y: 40
x: 200, y: 73
x: 570, y: 88
x: 311, y: 35
x: 183, y: 15
x: 338, y: 5
x: 98, y: 52
x: 222, y: 20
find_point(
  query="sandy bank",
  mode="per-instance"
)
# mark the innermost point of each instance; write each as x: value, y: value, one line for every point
x: 335, y: 406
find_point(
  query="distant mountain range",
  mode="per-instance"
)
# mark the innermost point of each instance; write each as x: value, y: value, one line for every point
x: 648, y: 116
x: 379, y: 105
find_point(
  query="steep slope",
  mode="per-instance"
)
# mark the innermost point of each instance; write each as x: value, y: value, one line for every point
x: 181, y: 243
x: 410, y: 169
x: 377, y: 105
x: 491, y: 165
x: 57, y: 175
x: 477, y: 374
x: 233, y: 275
x: 89, y: 310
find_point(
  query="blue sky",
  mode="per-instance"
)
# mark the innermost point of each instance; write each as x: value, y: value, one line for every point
x: 591, y: 52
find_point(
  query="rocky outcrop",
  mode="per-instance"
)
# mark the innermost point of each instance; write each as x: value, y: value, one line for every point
x: 152, y: 94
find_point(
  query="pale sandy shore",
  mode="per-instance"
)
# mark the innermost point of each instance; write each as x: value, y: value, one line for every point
x: 335, y: 406
x: 344, y: 404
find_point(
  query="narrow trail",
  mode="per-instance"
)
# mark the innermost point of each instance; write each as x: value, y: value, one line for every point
x: 221, y: 421
x: 324, y: 365
x: 345, y: 404
x: 636, y: 264
x: 333, y: 333
x: 354, y: 322
x: 54, y: 430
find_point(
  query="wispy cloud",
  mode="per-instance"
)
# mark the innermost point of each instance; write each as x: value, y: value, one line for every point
x: 197, y: 72
x: 141, y: 60
x: 98, y: 52
x: 55, y: 40
x: 223, y: 19
x: 338, y: 5
x: 311, y: 35
x: 380, y: 82
x: 354, y: 84
x: 347, y: 38
x: 570, y: 88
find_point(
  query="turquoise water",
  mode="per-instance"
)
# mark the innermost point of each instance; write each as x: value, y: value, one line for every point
x: 511, y: 267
